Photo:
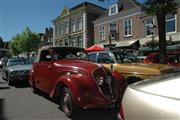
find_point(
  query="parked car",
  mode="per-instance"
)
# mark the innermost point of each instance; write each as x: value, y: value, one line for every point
x: 16, y: 69
x: 76, y: 82
x: 3, y: 61
x: 154, y: 99
x: 132, y: 72
x: 173, y: 58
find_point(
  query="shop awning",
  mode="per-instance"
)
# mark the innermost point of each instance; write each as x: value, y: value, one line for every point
x: 170, y: 47
x: 128, y: 43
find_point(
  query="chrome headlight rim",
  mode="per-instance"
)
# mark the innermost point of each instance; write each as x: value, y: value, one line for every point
x: 100, y: 80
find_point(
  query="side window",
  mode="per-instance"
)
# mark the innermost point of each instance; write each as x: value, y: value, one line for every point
x: 105, y: 58
x: 171, y: 59
x: 45, y: 56
x: 155, y: 59
x: 92, y: 57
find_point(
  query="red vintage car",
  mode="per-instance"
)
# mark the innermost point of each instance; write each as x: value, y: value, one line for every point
x: 173, y: 58
x: 77, y: 82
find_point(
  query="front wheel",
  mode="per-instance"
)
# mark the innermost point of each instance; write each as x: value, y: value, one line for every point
x: 67, y: 104
x: 10, y: 83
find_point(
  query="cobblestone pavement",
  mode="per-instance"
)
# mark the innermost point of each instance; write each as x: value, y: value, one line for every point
x: 19, y: 103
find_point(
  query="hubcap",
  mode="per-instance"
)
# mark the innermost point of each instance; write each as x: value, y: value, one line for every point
x: 67, y: 106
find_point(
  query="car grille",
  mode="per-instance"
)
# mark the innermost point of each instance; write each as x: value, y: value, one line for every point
x: 109, y: 90
x: 22, y: 72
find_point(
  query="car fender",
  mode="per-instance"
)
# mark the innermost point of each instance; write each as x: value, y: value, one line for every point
x: 66, y: 81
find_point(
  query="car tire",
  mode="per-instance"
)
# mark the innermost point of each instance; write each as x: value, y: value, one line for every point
x: 10, y: 83
x: 67, y: 104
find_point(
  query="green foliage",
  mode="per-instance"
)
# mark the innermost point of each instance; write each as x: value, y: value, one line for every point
x: 24, y: 42
x: 153, y: 7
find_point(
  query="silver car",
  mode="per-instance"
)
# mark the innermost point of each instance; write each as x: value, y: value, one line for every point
x: 16, y: 70
x: 155, y: 99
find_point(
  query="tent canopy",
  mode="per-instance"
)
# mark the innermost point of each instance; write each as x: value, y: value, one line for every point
x: 128, y: 44
x: 94, y: 48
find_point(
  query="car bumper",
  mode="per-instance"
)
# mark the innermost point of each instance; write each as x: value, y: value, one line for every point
x: 19, y: 78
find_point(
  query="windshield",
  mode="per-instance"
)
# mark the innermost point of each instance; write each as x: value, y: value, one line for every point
x: 69, y: 53
x: 12, y: 62
x: 124, y: 57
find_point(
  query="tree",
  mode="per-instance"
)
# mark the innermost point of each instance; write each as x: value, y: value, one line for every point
x: 25, y: 42
x: 1, y: 42
x: 161, y: 8
x: 14, y: 45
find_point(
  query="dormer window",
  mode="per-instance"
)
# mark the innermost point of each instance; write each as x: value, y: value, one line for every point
x: 113, y: 9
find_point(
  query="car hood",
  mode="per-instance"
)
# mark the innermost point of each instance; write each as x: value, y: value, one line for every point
x: 19, y: 67
x: 166, y: 85
x: 140, y: 68
x: 77, y: 64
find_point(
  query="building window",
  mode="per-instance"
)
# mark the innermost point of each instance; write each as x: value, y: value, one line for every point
x: 70, y: 42
x: 56, y: 30
x: 80, y: 23
x: 101, y: 33
x: 149, y: 26
x: 67, y: 27
x: 61, y: 42
x: 74, y: 41
x: 61, y: 29
x: 66, y: 42
x: 170, y: 23
x: 73, y: 25
x: 80, y: 41
x: 128, y: 28
x: 113, y: 9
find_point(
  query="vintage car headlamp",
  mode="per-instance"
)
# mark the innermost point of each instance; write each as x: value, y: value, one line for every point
x: 108, y: 79
x: 100, y: 80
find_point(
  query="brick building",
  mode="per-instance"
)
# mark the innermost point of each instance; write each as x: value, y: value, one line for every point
x: 74, y: 26
x: 47, y: 37
x: 125, y: 23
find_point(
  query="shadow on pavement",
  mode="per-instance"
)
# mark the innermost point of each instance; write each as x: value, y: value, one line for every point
x: 89, y: 114
x: 3, y: 85
x: 21, y: 84
x: 97, y: 114
x: 3, y: 88
x: 1, y: 110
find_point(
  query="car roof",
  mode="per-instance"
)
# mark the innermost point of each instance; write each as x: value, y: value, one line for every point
x: 106, y: 51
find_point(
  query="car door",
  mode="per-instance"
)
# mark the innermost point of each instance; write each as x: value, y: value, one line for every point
x: 44, y: 71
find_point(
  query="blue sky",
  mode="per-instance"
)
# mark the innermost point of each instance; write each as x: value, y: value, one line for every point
x: 15, y: 15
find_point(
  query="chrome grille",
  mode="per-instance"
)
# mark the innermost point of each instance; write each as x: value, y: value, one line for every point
x: 107, y: 88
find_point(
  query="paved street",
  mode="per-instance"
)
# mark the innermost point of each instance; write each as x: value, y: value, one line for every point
x: 19, y: 103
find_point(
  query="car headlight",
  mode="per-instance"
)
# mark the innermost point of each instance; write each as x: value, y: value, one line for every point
x: 100, y: 80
